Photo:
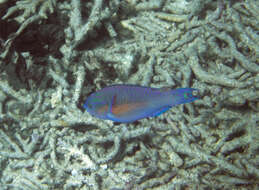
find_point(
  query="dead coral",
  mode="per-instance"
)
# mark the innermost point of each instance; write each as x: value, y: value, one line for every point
x: 212, y: 143
x: 25, y: 155
x: 30, y: 7
x: 33, y: 10
x: 79, y: 29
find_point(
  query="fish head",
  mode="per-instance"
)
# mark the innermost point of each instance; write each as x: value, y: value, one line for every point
x: 190, y: 95
x: 184, y: 95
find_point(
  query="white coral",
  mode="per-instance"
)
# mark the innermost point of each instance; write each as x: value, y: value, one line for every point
x: 31, y: 7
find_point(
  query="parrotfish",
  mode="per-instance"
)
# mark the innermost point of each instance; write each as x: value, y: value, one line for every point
x: 128, y: 103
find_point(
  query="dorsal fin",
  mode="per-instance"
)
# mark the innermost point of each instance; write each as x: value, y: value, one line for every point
x: 165, y: 89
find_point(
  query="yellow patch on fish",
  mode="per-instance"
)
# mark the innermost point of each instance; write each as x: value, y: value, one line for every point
x: 125, y: 108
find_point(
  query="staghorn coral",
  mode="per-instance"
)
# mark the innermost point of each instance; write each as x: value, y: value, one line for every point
x: 79, y: 30
x: 49, y: 142
x: 30, y: 8
x: 32, y: 11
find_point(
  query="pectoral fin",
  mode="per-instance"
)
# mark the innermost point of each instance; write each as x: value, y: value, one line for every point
x: 160, y: 111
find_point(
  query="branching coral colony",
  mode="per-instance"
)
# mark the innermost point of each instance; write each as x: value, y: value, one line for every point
x: 47, y: 141
x: 32, y: 11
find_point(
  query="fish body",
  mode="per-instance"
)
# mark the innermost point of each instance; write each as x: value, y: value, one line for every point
x: 128, y: 103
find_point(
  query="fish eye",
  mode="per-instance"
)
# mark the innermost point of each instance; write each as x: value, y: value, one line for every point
x: 192, y: 94
x: 195, y: 93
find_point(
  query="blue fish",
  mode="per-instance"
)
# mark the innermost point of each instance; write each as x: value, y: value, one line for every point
x: 128, y: 103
